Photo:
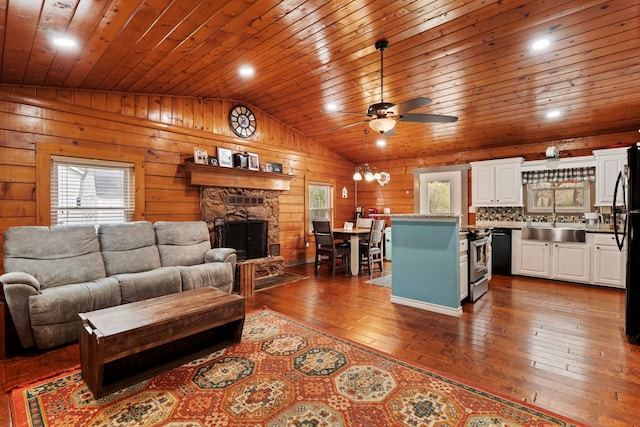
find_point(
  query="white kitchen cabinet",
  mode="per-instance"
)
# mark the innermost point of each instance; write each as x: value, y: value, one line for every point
x: 597, y: 261
x: 534, y: 259
x: 608, y: 261
x: 497, y: 182
x: 464, y: 269
x: 550, y: 260
x: 609, y: 163
x: 571, y: 262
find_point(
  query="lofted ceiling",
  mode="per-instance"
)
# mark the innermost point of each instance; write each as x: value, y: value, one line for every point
x: 472, y: 58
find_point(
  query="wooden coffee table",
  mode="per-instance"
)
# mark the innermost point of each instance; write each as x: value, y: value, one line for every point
x: 123, y: 345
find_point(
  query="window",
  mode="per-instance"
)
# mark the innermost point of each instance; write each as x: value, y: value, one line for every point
x: 559, y: 190
x: 567, y: 196
x: 86, y: 191
x: 439, y: 197
x: 440, y: 192
x: 320, y: 203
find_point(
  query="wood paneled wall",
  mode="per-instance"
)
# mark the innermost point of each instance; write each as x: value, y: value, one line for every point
x: 168, y: 128
x: 398, y: 195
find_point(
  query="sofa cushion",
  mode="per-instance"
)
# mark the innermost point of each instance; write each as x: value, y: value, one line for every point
x: 56, y: 255
x: 129, y: 247
x: 149, y: 284
x: 63, y: 303
x: 217, y: 274
x: 182, y: 243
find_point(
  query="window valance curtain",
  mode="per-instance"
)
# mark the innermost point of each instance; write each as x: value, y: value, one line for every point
x: 559, y: 175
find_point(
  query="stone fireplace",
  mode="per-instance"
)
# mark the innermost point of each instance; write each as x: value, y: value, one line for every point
x: 225, y: 206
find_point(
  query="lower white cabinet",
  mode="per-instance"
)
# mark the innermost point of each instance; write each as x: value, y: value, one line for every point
x: 532, y: 258
x: 464, y: 269
x: 571, y: 262
x: 608, y: 261
x: 597, y: 261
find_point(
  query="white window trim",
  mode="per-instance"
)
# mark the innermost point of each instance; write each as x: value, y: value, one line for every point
x: 85, y: 150
x: 62, y: 211
x: 332, y: 207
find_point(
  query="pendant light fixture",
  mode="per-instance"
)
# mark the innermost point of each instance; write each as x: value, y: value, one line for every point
x: 367, y: 173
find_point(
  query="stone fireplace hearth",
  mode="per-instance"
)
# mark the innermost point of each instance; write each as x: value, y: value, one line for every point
x: 221, y: 205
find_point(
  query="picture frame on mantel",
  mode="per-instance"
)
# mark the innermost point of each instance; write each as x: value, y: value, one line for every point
x: 200, y: 156
x: 225, y: 157
x: 254, y: 163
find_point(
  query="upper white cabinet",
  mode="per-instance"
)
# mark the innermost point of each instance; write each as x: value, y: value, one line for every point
x: 608, y: 164
x: 497, y: 182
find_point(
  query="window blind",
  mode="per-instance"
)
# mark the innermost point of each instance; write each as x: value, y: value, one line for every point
x: 87, y: 191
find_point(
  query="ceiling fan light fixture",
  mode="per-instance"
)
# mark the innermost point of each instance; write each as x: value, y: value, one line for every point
x: 357, y: 176
x: 382, y: 125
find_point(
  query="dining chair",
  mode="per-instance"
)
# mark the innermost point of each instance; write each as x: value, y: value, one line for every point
x: 371, y: 248
x: 327, y: 250
x: 364, y: 222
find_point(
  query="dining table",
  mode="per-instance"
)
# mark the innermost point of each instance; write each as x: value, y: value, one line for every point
x: 353, y: 235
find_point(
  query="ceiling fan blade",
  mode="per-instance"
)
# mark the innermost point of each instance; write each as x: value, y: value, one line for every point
x: 427, y: 118
x: 346, y: 126
x: 410, y: 105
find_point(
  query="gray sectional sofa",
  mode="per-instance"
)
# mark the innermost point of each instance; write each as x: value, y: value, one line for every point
x: 54, y: 273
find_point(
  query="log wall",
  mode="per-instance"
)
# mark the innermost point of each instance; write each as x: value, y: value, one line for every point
x: 168, y: 128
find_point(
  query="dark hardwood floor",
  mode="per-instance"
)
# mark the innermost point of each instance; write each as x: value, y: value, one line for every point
x: 559, y: 346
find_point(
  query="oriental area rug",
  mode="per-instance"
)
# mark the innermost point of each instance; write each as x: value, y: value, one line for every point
x: 282, y: 373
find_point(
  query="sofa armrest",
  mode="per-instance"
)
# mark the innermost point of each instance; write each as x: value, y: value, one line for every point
x: 18, y: 287
x: 18, y: 277
x: 221, y: 255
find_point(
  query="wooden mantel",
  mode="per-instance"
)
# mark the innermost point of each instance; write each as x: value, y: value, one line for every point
x: 218, y: 176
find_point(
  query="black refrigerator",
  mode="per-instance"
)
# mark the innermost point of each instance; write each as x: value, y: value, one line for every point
x: 626, y: 220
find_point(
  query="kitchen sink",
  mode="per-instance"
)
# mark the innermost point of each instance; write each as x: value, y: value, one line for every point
x: 553, y: 234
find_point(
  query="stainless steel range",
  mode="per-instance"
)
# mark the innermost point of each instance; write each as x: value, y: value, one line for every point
x: 479, y: 261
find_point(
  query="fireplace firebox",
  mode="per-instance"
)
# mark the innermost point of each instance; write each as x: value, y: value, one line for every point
x: 248, y: 238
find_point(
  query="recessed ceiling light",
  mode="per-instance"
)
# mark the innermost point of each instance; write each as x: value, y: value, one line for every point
x: 64, y: 42
x: 540, y: 44
x: 381, y: 142
x: 331, y: 107
x: 246, y: 71
x: 553, y: 114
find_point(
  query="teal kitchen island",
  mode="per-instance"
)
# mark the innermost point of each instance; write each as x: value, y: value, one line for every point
x: 426, y: 262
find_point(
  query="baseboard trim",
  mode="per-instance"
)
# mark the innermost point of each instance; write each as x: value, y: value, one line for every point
x: 442, y: 309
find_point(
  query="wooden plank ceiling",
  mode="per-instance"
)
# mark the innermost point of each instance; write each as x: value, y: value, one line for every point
x: 472, y: 58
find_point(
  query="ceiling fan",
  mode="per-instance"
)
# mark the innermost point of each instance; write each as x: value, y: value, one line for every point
x: 384, y: 115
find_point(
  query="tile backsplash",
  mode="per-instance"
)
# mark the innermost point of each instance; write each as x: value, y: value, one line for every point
x: 516, y: 214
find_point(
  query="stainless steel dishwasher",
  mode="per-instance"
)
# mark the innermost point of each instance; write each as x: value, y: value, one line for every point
x: 501, y: 251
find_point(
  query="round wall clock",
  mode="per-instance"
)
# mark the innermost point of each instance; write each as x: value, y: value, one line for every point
x: 242, y: 121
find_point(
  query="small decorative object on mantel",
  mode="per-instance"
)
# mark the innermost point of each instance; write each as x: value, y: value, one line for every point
x: 276, y: 167
x: 241, y: 160
x: 213, y: 161
x: 200, y: 156
x: 224, y: 157
x: 254, y: 163
x: 266, y: 167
